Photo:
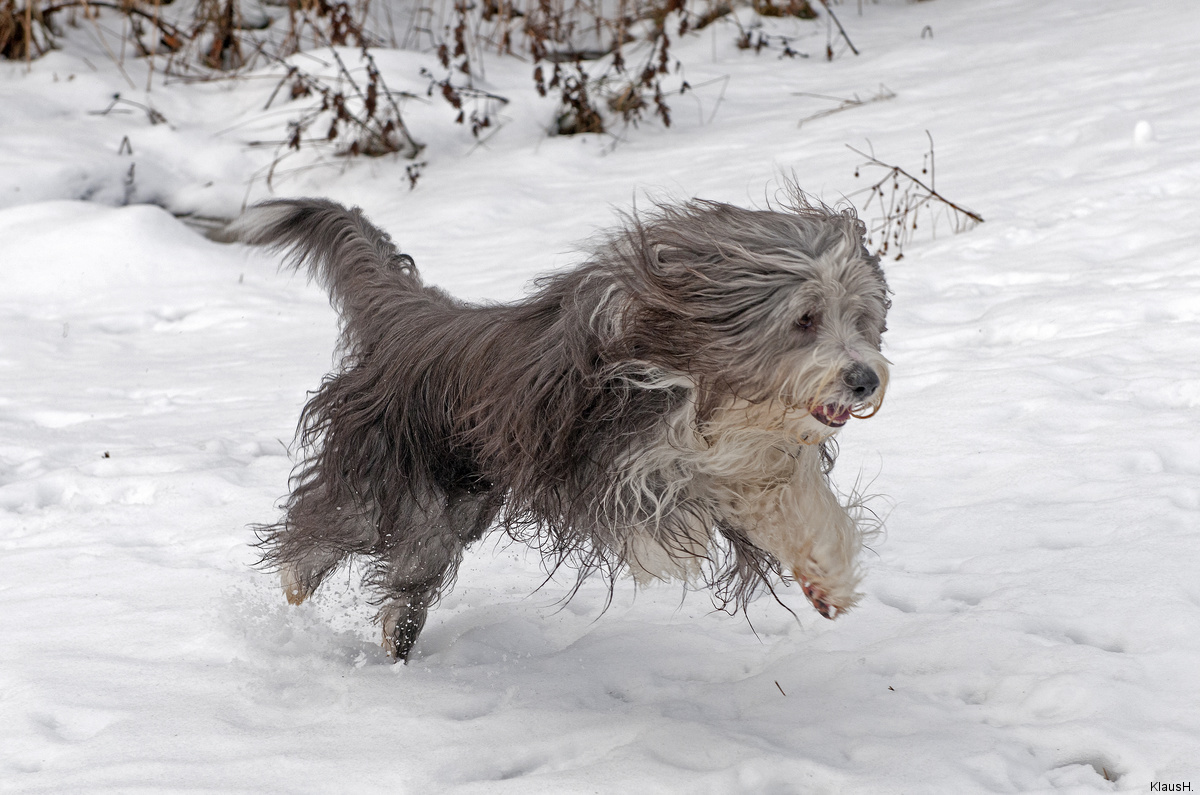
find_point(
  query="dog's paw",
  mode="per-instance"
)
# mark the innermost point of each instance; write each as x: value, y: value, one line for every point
x: 402, y: 620
x: 819, y: 600
x: 829, y: 602
x: 293, y: 587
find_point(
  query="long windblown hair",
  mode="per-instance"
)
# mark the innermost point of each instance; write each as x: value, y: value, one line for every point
x: 666, y: 408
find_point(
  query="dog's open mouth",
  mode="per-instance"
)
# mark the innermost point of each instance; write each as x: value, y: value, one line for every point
x: 833, y: 416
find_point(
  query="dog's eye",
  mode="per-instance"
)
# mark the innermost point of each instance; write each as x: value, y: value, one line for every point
x: 806, y: 322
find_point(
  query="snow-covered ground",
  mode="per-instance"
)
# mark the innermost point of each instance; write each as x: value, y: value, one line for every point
x: 1032, y: 617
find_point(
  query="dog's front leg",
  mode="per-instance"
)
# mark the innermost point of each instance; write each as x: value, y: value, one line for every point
x: 804, y: 525
x: 827, y: 565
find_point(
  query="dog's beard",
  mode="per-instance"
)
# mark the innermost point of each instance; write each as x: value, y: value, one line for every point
x: 822, y: 396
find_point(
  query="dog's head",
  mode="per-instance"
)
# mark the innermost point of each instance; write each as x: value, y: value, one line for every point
x: 775, y: 305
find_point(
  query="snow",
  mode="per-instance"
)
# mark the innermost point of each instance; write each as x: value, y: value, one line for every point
x: 1032, y: 615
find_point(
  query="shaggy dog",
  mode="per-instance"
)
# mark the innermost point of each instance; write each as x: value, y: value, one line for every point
x: 666, y: 408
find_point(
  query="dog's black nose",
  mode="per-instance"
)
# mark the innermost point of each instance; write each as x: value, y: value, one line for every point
x: 861, y: 380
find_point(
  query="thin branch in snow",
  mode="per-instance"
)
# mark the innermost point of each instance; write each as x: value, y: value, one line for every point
x: 899, y: 198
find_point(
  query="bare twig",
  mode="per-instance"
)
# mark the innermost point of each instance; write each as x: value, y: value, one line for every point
x: 87, y: 12
x: 841, y: 30
x: 290, y: 73
x: 28, y: 35
x: 150, y: 55
x: 929, y: 188
x: 900, y: 198
x: 153, y: 115
x: 166, y: 27
x: 884, y: 93
x: 361, y: 121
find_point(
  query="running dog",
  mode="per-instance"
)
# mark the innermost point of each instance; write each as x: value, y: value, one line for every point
x: 667, y: 408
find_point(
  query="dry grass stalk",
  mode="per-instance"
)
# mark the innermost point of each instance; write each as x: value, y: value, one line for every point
x: 899, y: 200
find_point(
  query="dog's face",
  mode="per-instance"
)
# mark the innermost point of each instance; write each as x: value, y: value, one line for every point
x: 829, y: 362
x: 774, y: 306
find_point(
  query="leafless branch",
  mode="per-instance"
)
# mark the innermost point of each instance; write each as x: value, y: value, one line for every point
x: 900, y: 198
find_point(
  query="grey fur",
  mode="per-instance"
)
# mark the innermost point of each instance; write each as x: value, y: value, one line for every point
x: 447, y: 419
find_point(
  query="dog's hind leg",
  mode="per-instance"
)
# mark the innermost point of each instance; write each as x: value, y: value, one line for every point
x: 317, y: 534
x: 419, y: 566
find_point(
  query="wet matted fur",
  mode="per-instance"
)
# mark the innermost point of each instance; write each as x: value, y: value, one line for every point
x: 666, y: 408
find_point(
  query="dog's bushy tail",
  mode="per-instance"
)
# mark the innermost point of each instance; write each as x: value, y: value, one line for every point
x: 337, y: 246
